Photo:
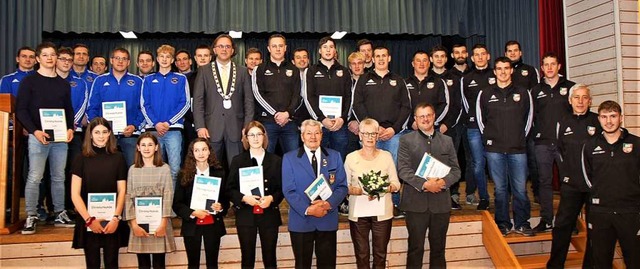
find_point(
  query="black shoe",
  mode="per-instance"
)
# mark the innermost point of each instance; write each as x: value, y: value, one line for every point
x: 504, y: 230
x: 455, y: 205
x: 525, y: 230
x: 543, y: 227
x: 483, y: 204
x: 63, y: 220
x: 30, y: 225
x: 398, y: 214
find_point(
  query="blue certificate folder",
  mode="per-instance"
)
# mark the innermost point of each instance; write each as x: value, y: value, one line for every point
x: 206, y: 191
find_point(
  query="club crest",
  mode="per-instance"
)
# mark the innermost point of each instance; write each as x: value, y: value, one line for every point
x: 516, y: 97
x: 563, y: 91
x: 524, y: 73
x: 393, y: 82
x: 131, y: 82
x: 492, y: 81
x: 627, y: 147
x: 289, y: 72
x: 591, y: 130
x: 339, y: 73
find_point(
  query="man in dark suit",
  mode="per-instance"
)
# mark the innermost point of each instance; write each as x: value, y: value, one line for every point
x: 313, y: 223
x: 222, y: 100
x: 426, y: 201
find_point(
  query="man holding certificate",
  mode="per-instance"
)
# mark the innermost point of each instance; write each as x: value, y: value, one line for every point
x: 44, y: 109
x: 328, y: 96
x: 426, y: 200
x: 313, y: 223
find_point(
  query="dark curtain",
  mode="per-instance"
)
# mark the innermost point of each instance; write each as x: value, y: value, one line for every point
x: 552, y: 29
x: 20, y: 25
x: 417, y: 17
x: 401, y: 50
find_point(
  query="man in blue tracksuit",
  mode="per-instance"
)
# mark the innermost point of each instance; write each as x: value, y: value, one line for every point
x: 81, y: 59
x: 164, y: 102
x: 119, y: 85
x: 26, y: 59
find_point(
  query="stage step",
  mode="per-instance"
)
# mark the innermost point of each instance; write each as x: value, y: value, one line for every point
x: 574, y: 259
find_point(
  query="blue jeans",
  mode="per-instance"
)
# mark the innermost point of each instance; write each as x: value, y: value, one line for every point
x: 476, y: 147
x: 128, y: 147
x: 510, y: 170
x: 287, y: 136
x: 338, y: 140
x: 56, y: 153
x: 171, y: 150
x: 392, y: 146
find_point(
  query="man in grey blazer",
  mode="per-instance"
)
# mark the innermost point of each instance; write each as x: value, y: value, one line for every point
x: 222, y: 100
x: 426, y: 201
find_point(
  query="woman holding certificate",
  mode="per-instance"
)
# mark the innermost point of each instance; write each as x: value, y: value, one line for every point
x: 201, y: 219
x: 148, y: 204
x: 100, y: 171
x: 255, y: 187
x: 372, y: 174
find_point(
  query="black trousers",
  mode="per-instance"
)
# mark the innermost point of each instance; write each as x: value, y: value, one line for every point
x: 145, y: 260
x: 571, y: 202
x: 417, y: 225
x: 192, y: 245
x: 325, y: 248
x: 545, y: 156
x: 380, y: 234
x: 606, y: 228
x: 110, y: 245
x: 268, y: 242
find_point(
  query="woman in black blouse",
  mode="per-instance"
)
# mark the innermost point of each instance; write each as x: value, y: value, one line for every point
x: 257, y: 213
x: 199, y: 224
x: 99, y: 169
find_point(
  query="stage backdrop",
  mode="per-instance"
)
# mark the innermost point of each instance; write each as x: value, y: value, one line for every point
x: 22, y: 22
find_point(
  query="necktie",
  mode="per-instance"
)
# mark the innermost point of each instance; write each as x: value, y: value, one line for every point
x: 314, y: 162
x: 225, y: 78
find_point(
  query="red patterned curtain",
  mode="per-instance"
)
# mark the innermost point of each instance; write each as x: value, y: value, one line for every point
x: 551, y: 24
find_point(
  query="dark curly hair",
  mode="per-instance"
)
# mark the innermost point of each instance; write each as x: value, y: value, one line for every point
x: 188, y: 171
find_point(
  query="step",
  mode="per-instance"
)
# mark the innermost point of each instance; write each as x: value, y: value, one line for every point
x: 540, y: 261
x: 517, y: 238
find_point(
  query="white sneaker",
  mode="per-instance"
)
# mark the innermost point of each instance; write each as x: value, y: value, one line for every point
x: 30, y: 225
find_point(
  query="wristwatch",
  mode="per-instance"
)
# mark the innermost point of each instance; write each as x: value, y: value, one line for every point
x: 117, y: 217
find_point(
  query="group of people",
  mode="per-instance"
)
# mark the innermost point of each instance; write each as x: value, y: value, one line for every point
x: 339, y: 123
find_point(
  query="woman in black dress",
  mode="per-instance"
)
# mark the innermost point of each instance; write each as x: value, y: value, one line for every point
x: 257, y: 214
x: 99, y: 169
x: 199, y: 224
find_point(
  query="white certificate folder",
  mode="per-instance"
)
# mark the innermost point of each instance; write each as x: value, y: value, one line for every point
x: 251, y: 181
x: 430, y: 167
x: 319, y: 188
x: 206, y: 191
x: 148, y: 213
x: 54, y: 123
x: 116, y: 113
x: 331, y: 106
x: 102, y: 206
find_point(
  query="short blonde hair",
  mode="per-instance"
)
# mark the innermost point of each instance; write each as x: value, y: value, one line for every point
x: 355, y: 55
x: 166, y: 49
x: 369, y: 122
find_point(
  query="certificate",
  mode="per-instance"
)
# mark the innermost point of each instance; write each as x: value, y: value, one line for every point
x: 54, y: 124
x: 206, y: 191
x: 102, y: 206
x: 364, y: 208
x: 331, y: 106
x: 148, y: 213
x: 432, y: 167
x: 319, y: 188
x: 116, y: 113
x: 251, y: 181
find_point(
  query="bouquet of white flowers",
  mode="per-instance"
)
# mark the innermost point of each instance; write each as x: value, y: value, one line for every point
x: 374, y: 184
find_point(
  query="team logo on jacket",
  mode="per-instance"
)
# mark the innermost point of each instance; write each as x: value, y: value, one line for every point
x: 106, y: 84
x: 591, y: 130
x: 155, y: 81
x: 492, y: 81
x: 563, y: 91
x: 449, y: 82
x: 318, y: 75
x: 430, y: 85
x: 289, y: 72
x: 410, y: 86
x: 90, y: 79
x: 339, y: 73
x: 541, y: 95
x: 568, y: 131
x: 370, y: 82
x: 131, y: 82
x: 489, y: 142
x: 324, y: 163
x: 73, y: 84
x: 565, y: 179
x: 627, y: 147
x: 516, y: 97
x: 268, y: 73
x: 393, y: 82
x: 15, y: 80
x: 174, y: 80
x: 473, y: 83
x: 524, y: 73
x: 493, y: 99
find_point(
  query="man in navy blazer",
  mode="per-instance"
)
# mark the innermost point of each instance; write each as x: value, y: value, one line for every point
x: 313, y: 223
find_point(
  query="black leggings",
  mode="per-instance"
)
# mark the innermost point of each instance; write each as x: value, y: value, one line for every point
x: 144, y: 260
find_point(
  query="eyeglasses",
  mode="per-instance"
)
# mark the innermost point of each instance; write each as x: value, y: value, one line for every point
x: 256, y: 135
x: 372, y: 134
x: 120, y: 58
x: 222, y: 47
x: 65, y: 60
x: 422, y: 117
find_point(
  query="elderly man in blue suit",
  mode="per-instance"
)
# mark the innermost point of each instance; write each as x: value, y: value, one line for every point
x: 313, y: 223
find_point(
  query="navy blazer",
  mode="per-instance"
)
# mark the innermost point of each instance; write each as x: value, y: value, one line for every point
x: 272, y: 172
x: 297, y: 175
x: 182, y: 200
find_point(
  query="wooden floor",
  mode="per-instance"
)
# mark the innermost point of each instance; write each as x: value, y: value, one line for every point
x: 48, y: 233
